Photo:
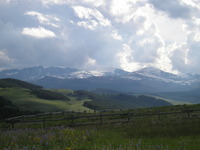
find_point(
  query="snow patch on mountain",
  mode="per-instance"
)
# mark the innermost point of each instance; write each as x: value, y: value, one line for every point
x: 145, y: 74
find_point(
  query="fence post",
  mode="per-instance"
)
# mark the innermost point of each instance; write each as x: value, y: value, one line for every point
x: 43, y: 123
x: 13, y: 124
x: 128, y: 115
x: 63, y: 113
x: 101, y: 118
x: 158, y: 114
x: 188, y: 113
x: 72, y: 118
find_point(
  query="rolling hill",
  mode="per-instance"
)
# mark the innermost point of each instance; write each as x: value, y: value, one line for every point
x: 192, y: 96
x: 28, y: 97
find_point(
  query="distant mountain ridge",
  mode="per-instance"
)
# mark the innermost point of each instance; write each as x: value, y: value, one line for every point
x: 146, y: 80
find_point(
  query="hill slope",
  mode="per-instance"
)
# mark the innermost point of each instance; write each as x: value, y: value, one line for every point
x: 192, y: 96
x: 9, y: 82
x: 27, y: 97
x: 120, y: 101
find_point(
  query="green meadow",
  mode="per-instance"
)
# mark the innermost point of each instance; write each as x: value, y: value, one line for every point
x: 25, y: 100
x: 144, y: 133
x: 167, y: 132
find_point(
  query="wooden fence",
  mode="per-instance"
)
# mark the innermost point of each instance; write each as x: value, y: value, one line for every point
x: 80, y: 119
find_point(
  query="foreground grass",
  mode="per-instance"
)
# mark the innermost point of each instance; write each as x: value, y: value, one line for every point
x: 143, y: 134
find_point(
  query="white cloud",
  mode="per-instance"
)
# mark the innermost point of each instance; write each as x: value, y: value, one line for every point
x: 192, y: 3
x: 95, y: 3
x: 92, y: 3
x: 38, y: 32
x: 125, y: 10
x: 4, y: 58
x: 116, y: 35
x: 93, y: 16
x: 126, y: 59
x: 90, y: 63
x: 44, y: 19
x: 179, y: 56
x: 56, y: 2
x: 91, y: 24
x: 130, y: 34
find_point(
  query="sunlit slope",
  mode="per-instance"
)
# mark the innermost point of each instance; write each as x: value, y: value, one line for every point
x: 33, y: 98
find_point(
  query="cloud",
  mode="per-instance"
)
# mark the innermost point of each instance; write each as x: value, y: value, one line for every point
x: 125, y: 10
x: 145, y: 46
x: 44, y: 19
x: 57, y: 2
x: 179, y: 56
x: 173, y: 8
x: 93, y: 17
x: 90, y: 34
x: 95, y: 3
x: 116, y: 35
x: 191, y: 3
x: 92, y: 3
x: 185, y: 57
x: 126, y: 59
x: 39, y: 33
x: 4, y: 58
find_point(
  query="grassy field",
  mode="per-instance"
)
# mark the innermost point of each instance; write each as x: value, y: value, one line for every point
x: 141, y: 135
x: 173, y: 132
x: 26, y: 101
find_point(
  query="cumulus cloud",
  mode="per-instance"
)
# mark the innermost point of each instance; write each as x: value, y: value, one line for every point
x: 145, y: 46
x: 173, y: 8
x: 44, y: 19
x: 93, y: 18
x: 125, y: 10
x: 116, y: 35
x: 126, y: 59
x: 38, y: 32
x: 90, y: 34
x: 4, y: 58
x: 191, y: 3
x: 95, y: 3
x: 57, y: 2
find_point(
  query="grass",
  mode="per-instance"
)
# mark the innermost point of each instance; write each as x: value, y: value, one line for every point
x: 26, y: 101
x: 143, y: 135
x: 171, y: 132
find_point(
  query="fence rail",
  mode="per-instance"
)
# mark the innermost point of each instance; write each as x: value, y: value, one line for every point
x: 80, y: 119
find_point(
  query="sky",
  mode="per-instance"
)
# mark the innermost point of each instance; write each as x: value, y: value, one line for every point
x: 96, y: 34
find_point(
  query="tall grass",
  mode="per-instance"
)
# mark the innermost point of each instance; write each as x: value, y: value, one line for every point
x: 146, y: 133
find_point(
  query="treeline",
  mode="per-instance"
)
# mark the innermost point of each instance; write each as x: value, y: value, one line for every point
x: 119, y: 101
x: 49, y: 95
x: 9, y: 82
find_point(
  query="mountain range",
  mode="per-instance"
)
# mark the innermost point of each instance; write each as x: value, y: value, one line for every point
x: 146, y: 80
